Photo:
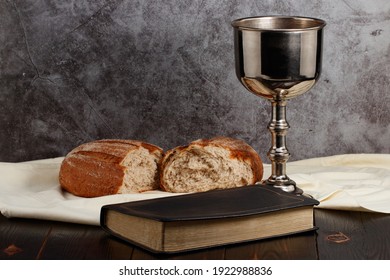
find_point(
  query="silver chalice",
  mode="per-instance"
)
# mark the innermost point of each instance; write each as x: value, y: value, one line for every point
x: 278, y: 58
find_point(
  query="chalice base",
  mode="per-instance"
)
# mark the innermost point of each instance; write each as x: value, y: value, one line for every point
x: 285, y: 184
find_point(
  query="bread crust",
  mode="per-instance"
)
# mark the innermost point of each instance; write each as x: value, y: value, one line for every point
x: 96, y: 168
x: 238, y: 149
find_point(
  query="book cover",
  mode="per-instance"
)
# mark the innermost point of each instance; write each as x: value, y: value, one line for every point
x: 199, y: 220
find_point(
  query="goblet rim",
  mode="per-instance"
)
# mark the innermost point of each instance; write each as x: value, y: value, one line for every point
x: 307, y: 23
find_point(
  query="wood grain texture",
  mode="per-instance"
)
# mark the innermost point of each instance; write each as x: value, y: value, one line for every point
x: 341, y: 235
x: 377, y: 236
x: 22, y: 239
x: 70, y: 241
x: 353, y: 235
x: 298, y: 246
x: 216, y: 253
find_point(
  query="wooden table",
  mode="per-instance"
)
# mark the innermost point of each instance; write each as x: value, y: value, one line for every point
x: 341, y: 235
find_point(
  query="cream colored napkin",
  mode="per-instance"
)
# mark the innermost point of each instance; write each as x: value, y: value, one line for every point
x: 351, y: 182
x: 31, y: 190
x: 358, y: 182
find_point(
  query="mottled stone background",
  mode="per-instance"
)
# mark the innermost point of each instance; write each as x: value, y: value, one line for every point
x: 162, y: 72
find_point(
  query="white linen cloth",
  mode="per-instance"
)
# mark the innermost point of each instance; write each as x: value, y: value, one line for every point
x: 358, y: 182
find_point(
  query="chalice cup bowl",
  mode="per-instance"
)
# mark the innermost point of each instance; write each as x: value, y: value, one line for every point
x: 278, y: 58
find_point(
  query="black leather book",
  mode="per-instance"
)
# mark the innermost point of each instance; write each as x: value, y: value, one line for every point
x: 213, y: 218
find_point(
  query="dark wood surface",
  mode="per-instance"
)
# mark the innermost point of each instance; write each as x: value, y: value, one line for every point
x: 341, y: 235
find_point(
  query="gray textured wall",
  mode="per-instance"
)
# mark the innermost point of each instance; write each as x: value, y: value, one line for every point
x: 162, y: 71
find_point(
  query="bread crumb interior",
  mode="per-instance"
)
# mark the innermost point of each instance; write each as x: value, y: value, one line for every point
x: 206, y: 168
x: 141, y: 173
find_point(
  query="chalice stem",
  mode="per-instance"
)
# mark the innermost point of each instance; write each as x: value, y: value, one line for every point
x: 279, y: 154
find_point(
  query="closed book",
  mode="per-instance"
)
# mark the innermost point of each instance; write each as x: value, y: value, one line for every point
x: 206, y: 219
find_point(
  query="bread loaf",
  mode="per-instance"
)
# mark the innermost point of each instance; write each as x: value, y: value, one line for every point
x: 208, y: 164
x: 105, y: 167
